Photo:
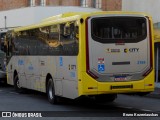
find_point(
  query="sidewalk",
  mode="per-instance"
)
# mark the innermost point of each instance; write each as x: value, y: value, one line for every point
x: 155, y: 93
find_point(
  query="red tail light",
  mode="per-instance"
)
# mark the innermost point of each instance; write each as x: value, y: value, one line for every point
x: 87, y: 53
x: 151, y: 55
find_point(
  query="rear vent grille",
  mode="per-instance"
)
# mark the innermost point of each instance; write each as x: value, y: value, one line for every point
x: 121, y: 87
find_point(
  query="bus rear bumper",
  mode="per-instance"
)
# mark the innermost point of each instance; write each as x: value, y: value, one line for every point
x: 89, y: 86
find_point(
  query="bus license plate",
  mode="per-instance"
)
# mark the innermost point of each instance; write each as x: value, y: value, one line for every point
x: 120, y: 78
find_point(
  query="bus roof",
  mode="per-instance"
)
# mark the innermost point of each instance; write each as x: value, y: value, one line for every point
x: 70, y: 16
x: 49, y: 21
x: 64, y: 15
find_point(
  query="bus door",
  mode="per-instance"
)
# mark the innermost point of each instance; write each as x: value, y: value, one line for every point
x: 16, y: 62
x: 118, y: 47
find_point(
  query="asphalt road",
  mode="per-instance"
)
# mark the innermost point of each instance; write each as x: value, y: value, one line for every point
x: 123, y: 107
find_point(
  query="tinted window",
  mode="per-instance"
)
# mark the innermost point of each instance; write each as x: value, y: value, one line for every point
x: 50, y: 40
x: 2, y: 36
x: 69, y: 38
x: 111, y: 29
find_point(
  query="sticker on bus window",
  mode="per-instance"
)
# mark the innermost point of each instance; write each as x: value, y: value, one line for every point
x: 60, y: 61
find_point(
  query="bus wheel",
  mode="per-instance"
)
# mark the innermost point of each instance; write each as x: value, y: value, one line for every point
x: 52, y: 98
x: 17, y: 84
x: 105, y: 98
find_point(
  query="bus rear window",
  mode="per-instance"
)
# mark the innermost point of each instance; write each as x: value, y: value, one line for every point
x: 111, y: 29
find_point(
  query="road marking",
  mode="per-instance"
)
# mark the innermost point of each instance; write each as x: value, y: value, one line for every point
x: 125, y: 107
x: 9, y: 92
x: 150, y: 111
x: 145, y: 110
x: 13, y: 92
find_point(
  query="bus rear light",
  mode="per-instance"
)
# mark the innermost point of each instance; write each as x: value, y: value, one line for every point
x: 87, y: 54
x: 151, y: 56
x: 92, y: 75
x: 146, y: 73
x: 92, y: 87
x: 148, y: 84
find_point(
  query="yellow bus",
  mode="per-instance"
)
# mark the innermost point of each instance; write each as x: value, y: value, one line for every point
x: 99, y: 55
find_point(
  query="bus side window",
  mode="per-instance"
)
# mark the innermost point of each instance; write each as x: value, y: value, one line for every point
x: 69, y: 38
x: 2, y: 46
x: 7, y: 44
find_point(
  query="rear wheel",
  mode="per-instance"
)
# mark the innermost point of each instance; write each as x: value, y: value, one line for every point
x: 105, y: 98
x: 17, y: 84
x: 52, y: 98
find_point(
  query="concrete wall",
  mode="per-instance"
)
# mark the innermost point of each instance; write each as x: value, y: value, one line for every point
x: 31, y: 15
x: 151, y: 7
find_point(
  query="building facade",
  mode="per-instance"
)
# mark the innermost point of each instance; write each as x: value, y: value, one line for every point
x: 106, y: 5
x: 32, y: 15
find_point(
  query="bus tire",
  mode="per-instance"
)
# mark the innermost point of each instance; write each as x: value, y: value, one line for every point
x: 52, y: 98
x: 17, y: 86
x: 105, y: 98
